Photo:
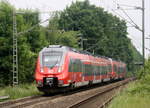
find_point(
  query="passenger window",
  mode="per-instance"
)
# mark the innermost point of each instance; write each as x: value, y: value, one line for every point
x: 75, y: 65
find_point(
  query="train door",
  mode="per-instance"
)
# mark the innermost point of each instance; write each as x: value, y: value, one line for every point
x: 71, y: 70
x: 83, y: 70
x: 100, y: 72
x: 115, y: 71
x: 107, y: 70
x: 74, y: 68
x: 90, y: 69
x: 95, y: 71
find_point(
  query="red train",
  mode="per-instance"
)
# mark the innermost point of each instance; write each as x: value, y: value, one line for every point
x: 60, y: 67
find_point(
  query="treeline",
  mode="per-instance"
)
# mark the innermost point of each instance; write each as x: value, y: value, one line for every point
x: 101, y: 33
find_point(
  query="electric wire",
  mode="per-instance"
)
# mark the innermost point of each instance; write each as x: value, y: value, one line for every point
x: 123, y: 17
x: 136, y: 26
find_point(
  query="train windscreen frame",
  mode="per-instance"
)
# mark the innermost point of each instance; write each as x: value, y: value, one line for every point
x: 51, y: 58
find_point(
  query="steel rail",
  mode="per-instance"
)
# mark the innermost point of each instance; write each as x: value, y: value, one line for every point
x: 27, y: 101
x: 88, y: 99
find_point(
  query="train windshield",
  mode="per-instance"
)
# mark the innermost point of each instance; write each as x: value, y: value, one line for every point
x: 51, y: 59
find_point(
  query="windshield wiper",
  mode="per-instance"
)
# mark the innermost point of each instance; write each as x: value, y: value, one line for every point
x: 54, y: 64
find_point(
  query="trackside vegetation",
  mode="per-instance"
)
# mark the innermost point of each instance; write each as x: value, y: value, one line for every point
x: 23, y: 90
x: 137, y: 94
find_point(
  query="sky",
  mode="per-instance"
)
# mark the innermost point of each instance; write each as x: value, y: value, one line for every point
x: 135, y: 35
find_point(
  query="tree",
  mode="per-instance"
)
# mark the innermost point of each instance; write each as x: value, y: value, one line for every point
x: 5, y: 43
x: 29, y: 44
x: 106, y: 34
x: 55, y: 35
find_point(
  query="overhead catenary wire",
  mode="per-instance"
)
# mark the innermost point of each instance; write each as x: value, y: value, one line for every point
x: 123, y: 18
x: 133, y: 23
x: 30, y: 29
x: 142, y: 8
x: 133, y: 7
x: 136, y: 26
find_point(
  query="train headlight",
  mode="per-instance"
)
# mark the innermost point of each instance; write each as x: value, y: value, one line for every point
x: 59, y: 69
x: 42, y: 70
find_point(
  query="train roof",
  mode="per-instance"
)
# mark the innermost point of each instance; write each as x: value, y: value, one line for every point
x: 80, y: 51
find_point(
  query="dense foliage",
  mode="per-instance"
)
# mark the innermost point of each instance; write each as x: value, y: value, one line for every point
x: 105, y: 34
x: 102, y: 33
x: 28, y: 44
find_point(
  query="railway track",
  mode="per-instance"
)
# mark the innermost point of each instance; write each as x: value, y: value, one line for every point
x: 100, y: 99
x: 78, y: 98
x: 27, y: 101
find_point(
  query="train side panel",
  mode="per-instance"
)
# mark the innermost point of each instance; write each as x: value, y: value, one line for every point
x: 75, y: 69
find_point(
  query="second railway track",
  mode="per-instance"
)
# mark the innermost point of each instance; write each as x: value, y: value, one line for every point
x: 27, y: 101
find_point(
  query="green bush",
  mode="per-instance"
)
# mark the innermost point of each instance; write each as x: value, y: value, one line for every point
x: 137, y: 95
x: 20, y: 91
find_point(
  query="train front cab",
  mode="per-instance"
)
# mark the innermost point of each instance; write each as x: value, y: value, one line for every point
x: 51, y: 70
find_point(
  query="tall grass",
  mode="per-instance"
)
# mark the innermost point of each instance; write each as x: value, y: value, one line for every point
x: 137, y: 95
x: 132, y: 97
x: 20, y: 91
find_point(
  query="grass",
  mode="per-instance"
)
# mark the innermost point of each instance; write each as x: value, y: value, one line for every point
x: 20, y: 91
x: 137, y: 95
